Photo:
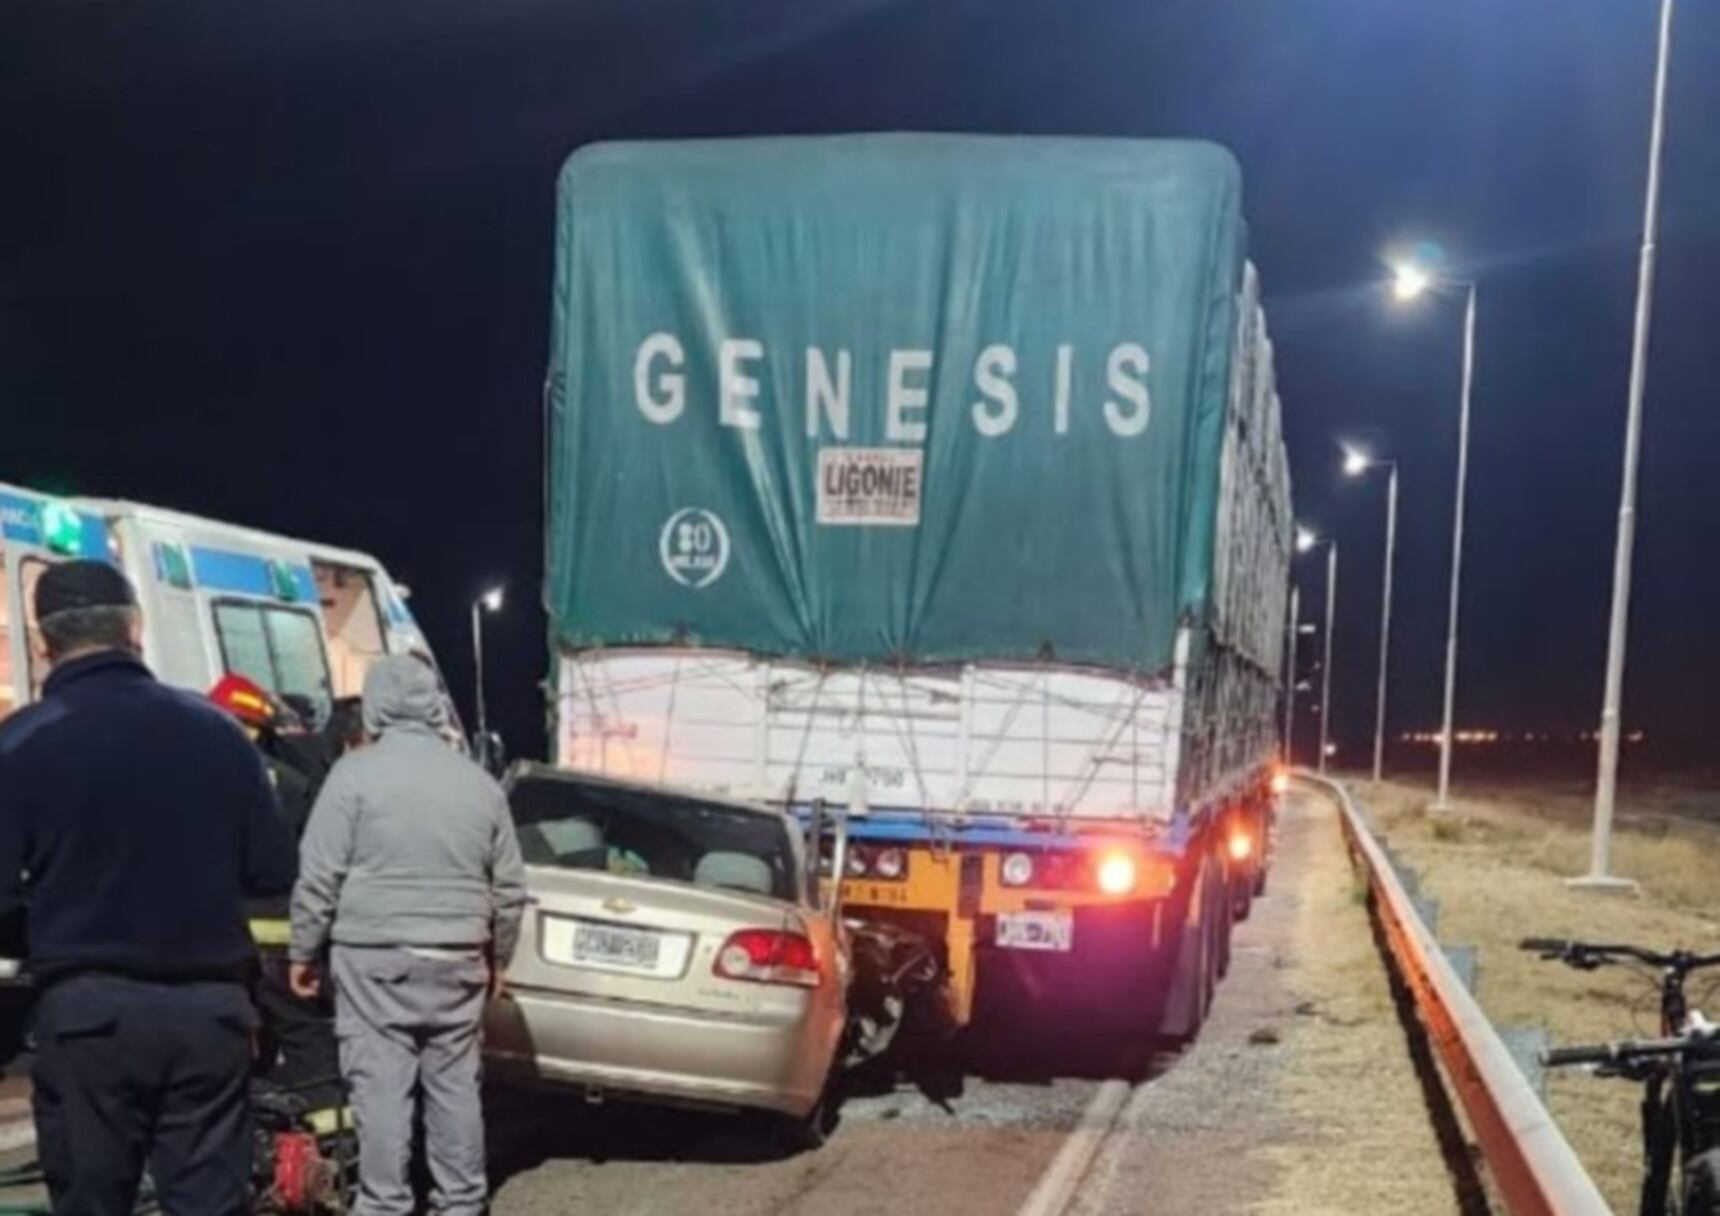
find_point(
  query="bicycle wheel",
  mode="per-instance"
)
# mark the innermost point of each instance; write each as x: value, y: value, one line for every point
x: 1659, y: 1148
x: 1702, y: 1185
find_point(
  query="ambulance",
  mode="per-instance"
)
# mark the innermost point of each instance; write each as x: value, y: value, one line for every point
x: 303, y: 620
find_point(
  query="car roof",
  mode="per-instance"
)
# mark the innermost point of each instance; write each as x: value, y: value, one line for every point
x: 537, y: 770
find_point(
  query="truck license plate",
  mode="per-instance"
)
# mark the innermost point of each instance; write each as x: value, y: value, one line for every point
x: 1052, y: 931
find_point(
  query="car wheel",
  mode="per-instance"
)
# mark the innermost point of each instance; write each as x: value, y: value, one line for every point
x: 791, y: 1135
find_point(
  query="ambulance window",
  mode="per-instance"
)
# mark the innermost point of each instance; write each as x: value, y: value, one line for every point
x: 280, y: 648
x: 354, y: 623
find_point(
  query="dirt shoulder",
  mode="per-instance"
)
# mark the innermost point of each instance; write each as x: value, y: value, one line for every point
x: 1497, y: 865
x: 1299, y: 1098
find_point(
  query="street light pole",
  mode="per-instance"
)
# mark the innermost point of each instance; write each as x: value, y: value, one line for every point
x: 1326, y: 658
x: 478, y: 665
x: 1385, y: 624
x: 1606, y: 788
x: 1443, y: 801
x: 1290, y: 676
x: 1357, y: 462
x: 489, y: 601
x: 1411, y: 281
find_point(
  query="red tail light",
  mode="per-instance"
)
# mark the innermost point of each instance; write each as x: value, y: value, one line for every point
x: 767, y: 956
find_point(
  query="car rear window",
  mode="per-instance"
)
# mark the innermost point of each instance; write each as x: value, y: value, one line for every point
x: 575, y: 826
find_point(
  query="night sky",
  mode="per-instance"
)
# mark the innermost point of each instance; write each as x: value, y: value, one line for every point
x: 288, y: 264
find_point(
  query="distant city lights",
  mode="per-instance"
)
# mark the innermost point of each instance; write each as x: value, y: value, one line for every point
x: 1489, y: 738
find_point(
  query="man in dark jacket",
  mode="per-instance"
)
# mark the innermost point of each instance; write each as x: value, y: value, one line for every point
x: 134, y: 822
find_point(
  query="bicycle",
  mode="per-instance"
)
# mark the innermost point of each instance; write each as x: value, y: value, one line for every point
x: 1679, y: 1073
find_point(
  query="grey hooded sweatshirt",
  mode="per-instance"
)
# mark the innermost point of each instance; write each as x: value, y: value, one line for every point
x: 410, y: 843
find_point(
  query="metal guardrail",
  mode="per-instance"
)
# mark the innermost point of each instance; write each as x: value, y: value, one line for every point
x: 1531, y: 1164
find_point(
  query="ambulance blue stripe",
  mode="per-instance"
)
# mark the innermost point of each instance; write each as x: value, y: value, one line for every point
x: 246, y: 574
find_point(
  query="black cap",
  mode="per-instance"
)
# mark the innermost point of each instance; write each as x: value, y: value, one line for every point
x: 83, y: 584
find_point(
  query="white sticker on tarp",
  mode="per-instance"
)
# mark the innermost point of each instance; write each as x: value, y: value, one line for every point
x: 694, y: 546
x: 877, y: 487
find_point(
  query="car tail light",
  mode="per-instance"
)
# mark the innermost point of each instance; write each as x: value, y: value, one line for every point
x: 1241, y: 844
x: 769, y: 956
x: 1281, y: 782
x: 1115, y: 873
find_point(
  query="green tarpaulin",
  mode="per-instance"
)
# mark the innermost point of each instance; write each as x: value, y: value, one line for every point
x: 891, y: 398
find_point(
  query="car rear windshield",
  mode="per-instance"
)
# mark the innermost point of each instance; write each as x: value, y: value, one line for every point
x: 575, y: 826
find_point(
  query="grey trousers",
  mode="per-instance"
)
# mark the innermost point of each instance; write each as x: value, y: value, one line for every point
x: 409, y: 1024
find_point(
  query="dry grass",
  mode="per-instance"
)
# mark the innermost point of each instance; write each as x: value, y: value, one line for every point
x: 1496, y: 865
x: 1348, y: 1079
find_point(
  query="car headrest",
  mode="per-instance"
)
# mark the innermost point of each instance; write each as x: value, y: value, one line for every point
x: 735, y: 871
x: 560, y: 841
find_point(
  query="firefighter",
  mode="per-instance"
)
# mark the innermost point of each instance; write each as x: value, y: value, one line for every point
x: 299, y: 1051
x: 134, y: 820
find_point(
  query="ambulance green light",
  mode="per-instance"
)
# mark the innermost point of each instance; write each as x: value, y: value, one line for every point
x: 62, y: 528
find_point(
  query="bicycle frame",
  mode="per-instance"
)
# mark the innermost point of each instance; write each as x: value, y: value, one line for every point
x: 1680, y: 1109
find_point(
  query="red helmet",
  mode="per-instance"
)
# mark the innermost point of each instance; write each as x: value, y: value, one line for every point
x: 245, y: 700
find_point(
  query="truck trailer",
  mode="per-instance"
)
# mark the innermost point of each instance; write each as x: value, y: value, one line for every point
x: 938, y: 478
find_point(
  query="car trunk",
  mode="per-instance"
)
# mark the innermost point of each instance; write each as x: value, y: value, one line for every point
x: 637, y: 890
x: 646, y: 941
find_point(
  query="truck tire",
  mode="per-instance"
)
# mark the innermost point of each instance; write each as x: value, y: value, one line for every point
x: 1193, y: 968
x: 1224, y: 922
x: 1242, y: 901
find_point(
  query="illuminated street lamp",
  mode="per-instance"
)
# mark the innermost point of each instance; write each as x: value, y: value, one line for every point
x: 1358, y: 463
x: 1410, y: 281
x: 489, y: 602
x: 1600, y: 876
x: 1307, y: 541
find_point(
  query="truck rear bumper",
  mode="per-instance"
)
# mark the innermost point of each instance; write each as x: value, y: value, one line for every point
x: 1113, y: 973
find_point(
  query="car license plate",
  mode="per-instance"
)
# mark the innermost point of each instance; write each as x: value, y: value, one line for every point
x: 1051, y: 931
x: 611, y: 947
x: 617, y: 947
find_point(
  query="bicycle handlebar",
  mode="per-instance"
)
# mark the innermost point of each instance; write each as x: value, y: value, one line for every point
x: 1627, y: 1052
x: 1578, y: 954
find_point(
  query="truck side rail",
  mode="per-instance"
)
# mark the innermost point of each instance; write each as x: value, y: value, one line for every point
x: 1532, y: 1166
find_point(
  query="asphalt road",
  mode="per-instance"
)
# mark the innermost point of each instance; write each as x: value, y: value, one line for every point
x: 1222, y: 1127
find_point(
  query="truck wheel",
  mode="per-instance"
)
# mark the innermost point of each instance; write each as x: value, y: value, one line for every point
x: 1194, y: 968
x: 1242, y: 895
x: 1222, y: 920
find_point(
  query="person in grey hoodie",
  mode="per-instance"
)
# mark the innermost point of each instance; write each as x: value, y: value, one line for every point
x: 410, y: 878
